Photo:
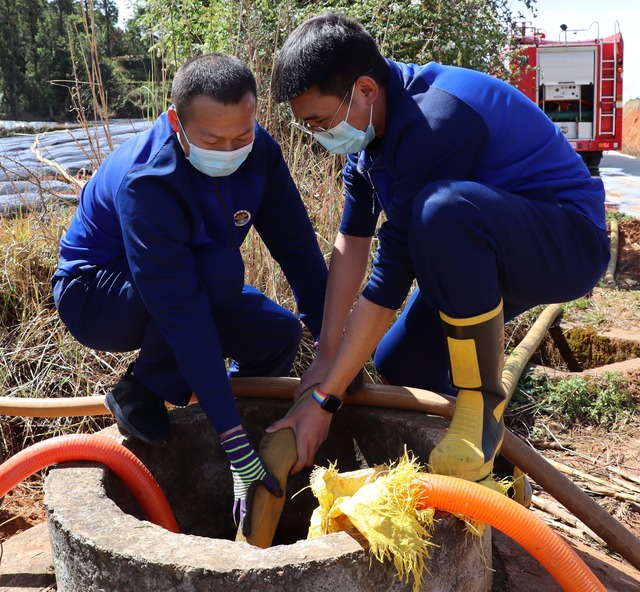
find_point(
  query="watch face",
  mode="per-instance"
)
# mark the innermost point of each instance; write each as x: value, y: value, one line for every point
x: 331, y: 404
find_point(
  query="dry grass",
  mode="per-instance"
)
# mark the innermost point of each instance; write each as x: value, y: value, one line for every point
x: 39, y: 358
x: 607, y: 309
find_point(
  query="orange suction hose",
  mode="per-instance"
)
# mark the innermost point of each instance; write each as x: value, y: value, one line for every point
x: 480, y: 503
x: 446, y: 493
x: 96, y: 449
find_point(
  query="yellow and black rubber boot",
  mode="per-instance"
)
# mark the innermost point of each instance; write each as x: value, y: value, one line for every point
x: 476, y: 356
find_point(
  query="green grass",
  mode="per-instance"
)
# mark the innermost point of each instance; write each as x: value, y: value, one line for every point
x: 603, y: 400
x: 619, y: 216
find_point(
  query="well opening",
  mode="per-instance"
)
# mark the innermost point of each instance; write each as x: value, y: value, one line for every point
x: 193, y: 471
x: 101, y: 540
x: 576, y: 349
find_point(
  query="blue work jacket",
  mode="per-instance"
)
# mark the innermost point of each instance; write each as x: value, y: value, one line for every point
x: 147, y: 203
x: 449, y: 123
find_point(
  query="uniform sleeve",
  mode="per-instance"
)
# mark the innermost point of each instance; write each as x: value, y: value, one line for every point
x: 444, y: 141
x: 156, y: 230
x: 284, y: 225
x: 361, y: 207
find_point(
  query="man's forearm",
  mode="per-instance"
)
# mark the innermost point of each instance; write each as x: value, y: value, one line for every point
x: 347, y: 270
x: 366, y: 326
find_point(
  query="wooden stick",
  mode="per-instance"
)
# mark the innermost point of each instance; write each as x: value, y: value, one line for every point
x: 624, y: 474
x: 625, y: 485
x: 610, y: 492
x: 567, y: 470
x: 278, y: 451
x: 559, y: 512
x: 609, y: 275
x: 575, y: 532
x: 546, y: 445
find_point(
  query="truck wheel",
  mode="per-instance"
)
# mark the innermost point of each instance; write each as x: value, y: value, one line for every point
x: 592, y: 159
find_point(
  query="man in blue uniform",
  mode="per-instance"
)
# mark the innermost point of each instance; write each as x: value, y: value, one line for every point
x: 152, y: 261
x: 488, y: 209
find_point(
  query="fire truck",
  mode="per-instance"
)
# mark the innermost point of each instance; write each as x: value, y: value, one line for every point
x: 577, y: 83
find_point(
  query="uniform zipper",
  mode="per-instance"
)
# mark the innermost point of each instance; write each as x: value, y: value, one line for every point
x: 374, y: 195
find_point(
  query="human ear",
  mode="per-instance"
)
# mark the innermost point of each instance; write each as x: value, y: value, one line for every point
x: 369, y: 88
x: 172, y: 116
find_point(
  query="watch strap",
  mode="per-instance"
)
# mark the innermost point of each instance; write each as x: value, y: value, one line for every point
x: 327, y: 402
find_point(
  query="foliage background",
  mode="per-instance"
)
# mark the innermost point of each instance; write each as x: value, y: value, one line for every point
x: 69, y: 60
x: 48, y: 46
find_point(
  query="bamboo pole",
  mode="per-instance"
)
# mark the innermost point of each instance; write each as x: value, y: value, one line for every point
x: 609, y: 275
x: 515, y: 450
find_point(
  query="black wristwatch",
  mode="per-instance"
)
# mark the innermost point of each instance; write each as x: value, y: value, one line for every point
x: 329, y: 403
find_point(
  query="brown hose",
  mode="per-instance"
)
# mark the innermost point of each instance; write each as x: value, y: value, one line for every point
x: 609, y: 275
x: 53, y: 407
x: 515, y: 450
x: 517, y: 360
x: 86, y: 406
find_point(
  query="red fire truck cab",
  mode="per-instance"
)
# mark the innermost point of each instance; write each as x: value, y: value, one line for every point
x: 578, y: 84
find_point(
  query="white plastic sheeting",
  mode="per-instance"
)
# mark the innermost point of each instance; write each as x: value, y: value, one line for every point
x: 25, y: 181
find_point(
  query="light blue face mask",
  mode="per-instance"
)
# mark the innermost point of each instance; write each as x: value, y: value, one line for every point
x: 216, y: 163
x: 344, y: 138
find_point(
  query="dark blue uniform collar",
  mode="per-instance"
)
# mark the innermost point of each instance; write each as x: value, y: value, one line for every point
x: 399, y: 78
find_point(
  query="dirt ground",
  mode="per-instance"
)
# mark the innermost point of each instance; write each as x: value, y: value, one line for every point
x: 631, y: 127
x: 607, y: 461
x: 609, y: 454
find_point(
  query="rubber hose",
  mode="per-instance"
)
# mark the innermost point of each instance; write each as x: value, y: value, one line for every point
x: 480, y: 503
x: 446, y: 493
x: 86, y: 447
x: 581, y: 505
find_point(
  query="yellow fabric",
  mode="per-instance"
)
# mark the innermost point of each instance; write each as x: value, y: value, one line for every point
x: 381, y: 504
x: 464, y: 363
x: 468, y: 321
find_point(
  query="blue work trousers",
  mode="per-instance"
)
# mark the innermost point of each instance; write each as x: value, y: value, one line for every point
x: 473, y: 245
x: 103, y: 310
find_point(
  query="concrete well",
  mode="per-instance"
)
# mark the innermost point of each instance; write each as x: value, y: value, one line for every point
x: 102, y: 543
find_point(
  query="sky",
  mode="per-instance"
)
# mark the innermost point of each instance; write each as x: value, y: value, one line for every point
x: 577, y: 15
x: 580, y: 14
x: 123, y: 11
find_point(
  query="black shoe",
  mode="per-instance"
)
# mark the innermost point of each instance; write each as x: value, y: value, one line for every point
x: 138, y: 411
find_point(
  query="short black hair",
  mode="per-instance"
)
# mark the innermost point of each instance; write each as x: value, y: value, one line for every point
x: 328, y: 51
x: 219, y: 76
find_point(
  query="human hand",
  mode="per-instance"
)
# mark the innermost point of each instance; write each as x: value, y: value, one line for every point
x: 249, y: 472
x: 316, y: 372
x: 312, y: 377
x: 310, y: 424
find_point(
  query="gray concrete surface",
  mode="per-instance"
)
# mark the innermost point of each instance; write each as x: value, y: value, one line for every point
x: 101, y: 542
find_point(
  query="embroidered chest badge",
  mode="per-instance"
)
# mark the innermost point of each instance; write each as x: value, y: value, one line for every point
x: 241, y: 217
